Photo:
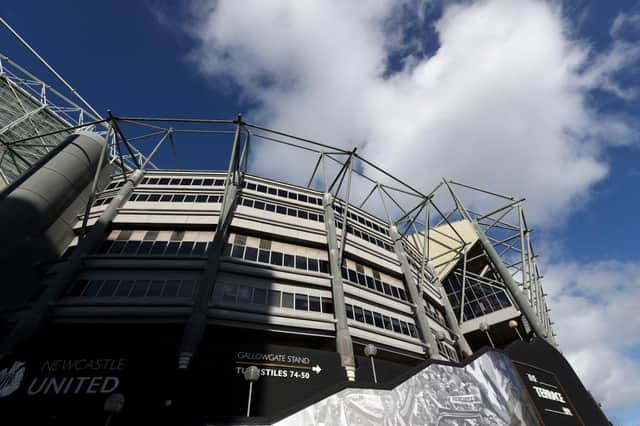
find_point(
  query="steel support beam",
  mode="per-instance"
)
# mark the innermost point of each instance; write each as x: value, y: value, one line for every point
x: 197, y: 322
x: 419, y: 314
x: 344, y: 344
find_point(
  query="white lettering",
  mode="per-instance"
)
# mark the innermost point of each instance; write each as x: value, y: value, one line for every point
x: 115, y: 382
x: 548, y: 394
x: 94, y: 384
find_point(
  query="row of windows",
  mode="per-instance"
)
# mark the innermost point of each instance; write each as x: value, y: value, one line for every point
x: 368, y: 238
x: 132, y: 288
x: 363, y: 221
x: 267, y: 189
x: 182, y: 181
x: 279, y: 209
x: 381, y: 321
x: 114, y: 185
x: 373, y: 283
x: 446, y: 351
x: 479, y: 298
x: 276, y: 258
x: 176, y: 198
x: 154, y: 248
x: 246, y: 295
x: 102, y: 201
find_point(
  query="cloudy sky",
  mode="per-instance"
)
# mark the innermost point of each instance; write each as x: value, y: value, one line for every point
x: 530, y: 98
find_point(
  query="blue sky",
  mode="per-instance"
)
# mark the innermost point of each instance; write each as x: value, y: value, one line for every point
x: 543, y: 94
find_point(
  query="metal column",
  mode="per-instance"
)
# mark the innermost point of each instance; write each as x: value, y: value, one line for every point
x: 421, y: 317
x: 344, y: 344
x: 196, y: 324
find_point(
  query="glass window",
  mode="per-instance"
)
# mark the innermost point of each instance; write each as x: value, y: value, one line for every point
x: 171, y: 288
x: 116, y: 247
x: 327, y: 305
x: 301, y: 262
x: 174, y: 181
x: 207, y: 182
x: 282, y: 193
x: 281, y: 210
x: 387, y: 288
x: 251, y: 253
x: 165, y: 198
x: 303, y: 214
x: 226, y: 250
x: 186, y: 288
x: 247, y: 202
x: 293, y: 195
x: 154, y: 197
x: 172, y: 248
x: 219, y: 182
x: 262, y: 188
x: 229, y: 293
x: 287, y: 300
x: 387, y: 322
x: 131, y: 247
x: 402, y: 293
x: 244, y: 294
x: 186, y: 182
x: 155, y: 289
x: 368, y: 317
x: 108, y: 288
x: 251, y: 186
x: 124, y: 288
x: 105, y: 246
x: 272, y: 190
x: 91, y: 290
x: 314, y: 303
x: 197, y: 182
x: 274, y: 298
x: 292, y: 212
x: 394, y: 292
x: 313, y: 216
x: 201, y: 199
x: 258, y: 205
x: 396, y: 325
x: 270, y: 207
x: 405, y: 328
x: 412, y: 331
x: 142, y: 197
x: 361, y: 279
x: 186, y: 247
x: 370, y: 283
x: 302, y: 198
x: 238, y: 252
x: 259, y: 296
x: 377, y: 320
x: 276, y: 258
x: 324, y: 266
x: 289, y: 260
x: 178, y: 198
x: 358, y: 313
x: 163, y: 181
x: 200, y: 248
x: 312, y: 264
x: 302, y: 302
x: 353, y: 276
x: 189, y: 198
x: 139, y: 288
x: 158, y: 247
x: 263, y: 256
x: 349, y: 309
x: 153, y: 181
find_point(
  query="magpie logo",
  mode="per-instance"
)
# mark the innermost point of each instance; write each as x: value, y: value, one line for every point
x: 11, y: 378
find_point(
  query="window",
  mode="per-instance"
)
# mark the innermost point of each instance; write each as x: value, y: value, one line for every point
x: 259, y: 296
x: 251, y: 254
x: 186, y: 288
x: 229, y: 293
x: 302, y: 302
x: 244, y: 294
x: 124, y: 288
x: 327, y: 305
x: 171, y: 288
x: 139, y: 288
x: 287, y: 300
x: 358, y: 313
x: 368, y: 317
x: 155, y: 289
x: 349, y: 309
x: 263, y: 256
x: 377, y: 320
x: 276, y: 258
x: 274, y: 298
x: 314, y: 304
x: 301, y: 262
x: 92, y: 289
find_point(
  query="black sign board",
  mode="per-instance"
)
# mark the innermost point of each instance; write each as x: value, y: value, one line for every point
x: 550, y: 399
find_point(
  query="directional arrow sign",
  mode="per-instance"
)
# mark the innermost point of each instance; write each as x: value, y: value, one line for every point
x: 316, y: 369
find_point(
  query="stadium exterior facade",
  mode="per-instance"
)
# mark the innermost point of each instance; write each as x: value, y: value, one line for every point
x: 155, y: 283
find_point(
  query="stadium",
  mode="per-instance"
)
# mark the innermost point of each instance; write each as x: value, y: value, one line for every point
x: 137, y: 290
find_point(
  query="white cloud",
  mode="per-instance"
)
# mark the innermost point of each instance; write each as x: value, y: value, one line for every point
x: 595, y: 309
x: 503, y: 103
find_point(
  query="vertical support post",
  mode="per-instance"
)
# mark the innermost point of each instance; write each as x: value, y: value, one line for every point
x: 197, y: 322
x: 344, y: 344
x: 524, y: 249
x: 419, y: 314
